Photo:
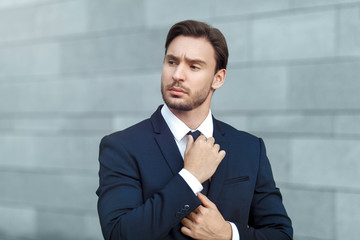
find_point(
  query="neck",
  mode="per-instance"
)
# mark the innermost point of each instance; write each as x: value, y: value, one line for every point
x: 192, y: 118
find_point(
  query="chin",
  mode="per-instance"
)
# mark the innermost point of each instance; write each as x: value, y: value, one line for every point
x: 178, y: 104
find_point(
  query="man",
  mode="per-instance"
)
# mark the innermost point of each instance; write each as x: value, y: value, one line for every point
x: 152, y: 174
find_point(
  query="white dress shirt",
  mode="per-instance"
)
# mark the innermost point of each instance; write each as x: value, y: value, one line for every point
x: 180, y: 130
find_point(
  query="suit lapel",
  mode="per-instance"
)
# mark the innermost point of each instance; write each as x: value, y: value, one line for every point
x: 166, y: 142
x: 219, y: 176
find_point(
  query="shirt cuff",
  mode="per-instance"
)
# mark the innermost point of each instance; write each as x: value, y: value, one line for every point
x: 235, y: 232
x: 192, y: 181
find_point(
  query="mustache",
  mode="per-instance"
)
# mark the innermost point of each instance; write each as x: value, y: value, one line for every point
x: 178, y: 85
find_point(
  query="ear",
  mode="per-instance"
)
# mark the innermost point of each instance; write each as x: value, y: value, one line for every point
x: 219, y: 79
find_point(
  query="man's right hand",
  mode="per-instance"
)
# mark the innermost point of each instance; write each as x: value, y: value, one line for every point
x: 202, y: 157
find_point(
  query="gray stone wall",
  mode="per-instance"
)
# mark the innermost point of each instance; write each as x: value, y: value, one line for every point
x: 72, y: 71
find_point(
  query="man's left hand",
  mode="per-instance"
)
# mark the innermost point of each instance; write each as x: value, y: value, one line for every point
x: 206, y: 222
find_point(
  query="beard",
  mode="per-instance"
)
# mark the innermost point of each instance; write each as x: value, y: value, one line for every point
x: 196, y: 99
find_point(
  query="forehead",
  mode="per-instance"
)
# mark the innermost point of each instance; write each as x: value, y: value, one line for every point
x: 191, y: 47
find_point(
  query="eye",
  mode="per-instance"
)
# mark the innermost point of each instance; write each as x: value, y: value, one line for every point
x: 171, y: 62
x: 195, y: 67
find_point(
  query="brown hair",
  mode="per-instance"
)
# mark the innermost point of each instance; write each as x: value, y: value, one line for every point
x: 192, y: 28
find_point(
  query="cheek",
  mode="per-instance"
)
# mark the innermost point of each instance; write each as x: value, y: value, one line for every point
x: 163, y: 77
x: 166, y: 75
x: 205, y: 83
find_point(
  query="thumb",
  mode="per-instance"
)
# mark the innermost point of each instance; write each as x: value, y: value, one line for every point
x: 205, y: 201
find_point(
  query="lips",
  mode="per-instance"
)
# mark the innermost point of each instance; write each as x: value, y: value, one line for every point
x: 176, y: 91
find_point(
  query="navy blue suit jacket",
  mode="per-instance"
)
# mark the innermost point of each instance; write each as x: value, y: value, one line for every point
x: 142, y: 196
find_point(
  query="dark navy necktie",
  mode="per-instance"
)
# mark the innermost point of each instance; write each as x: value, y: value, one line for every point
x: 205, y: 184
x: 195, y: 134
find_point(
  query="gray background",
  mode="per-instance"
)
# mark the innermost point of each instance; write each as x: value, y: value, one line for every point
x: 72, y: 71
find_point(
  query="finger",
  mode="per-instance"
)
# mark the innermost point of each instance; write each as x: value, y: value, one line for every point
x: 211, y: 140
x: 205, y: 201
x: 190, y: 142
x: 196, y: 212
x: 222, y: 154
x: 186, y: 231
x: 217, y: 147
x: 191, y: 216
x: 186, y: 222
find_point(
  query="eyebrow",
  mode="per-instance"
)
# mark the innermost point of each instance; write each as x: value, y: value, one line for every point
x: 191, y: 60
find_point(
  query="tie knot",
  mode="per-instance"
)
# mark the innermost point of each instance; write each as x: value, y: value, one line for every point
x: 194, y: 134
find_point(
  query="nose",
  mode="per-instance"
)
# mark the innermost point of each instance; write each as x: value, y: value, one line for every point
x: 179, y: 73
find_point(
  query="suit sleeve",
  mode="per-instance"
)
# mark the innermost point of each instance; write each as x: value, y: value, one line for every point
x: 123, y: 212
x: 268, y: 219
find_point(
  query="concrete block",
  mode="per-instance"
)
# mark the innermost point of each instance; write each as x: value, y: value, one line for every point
x: 325, y: 162
x: 95, y: 124
x: 295, y: 36
x: 348, y: 216
x: 166, y: 13
x: 47, y: 20
x: 132, y: 93
x: 17, y: 24
x: 324, y: 86
x: 260, y: 88
x: 60, y: 226
x: 30, y: 59
x: 347, y: 124
x: 6, y: 124
x: 349, y: 31
x: 51, y: 125
x: 49, y: 190
x: 238, y: 7
x: 25, y: 96
x: 291, y: 123
x: 122, y: 121
x: 9, y: 4
x: 278, y: 152
x: 239, y: 122
x: 114, y: 14
x: 237, y: 36
x: 64, y: 18
x: 297, y: 237
x: 312, y: 3
x: 135, y: 92
x: 17, y: 223
x: 92, y: 228
x: 50, y: 152
x: 312, y: 213
x: 132, y: 51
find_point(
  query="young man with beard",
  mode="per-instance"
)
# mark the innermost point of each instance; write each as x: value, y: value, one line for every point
x: 160, y: 180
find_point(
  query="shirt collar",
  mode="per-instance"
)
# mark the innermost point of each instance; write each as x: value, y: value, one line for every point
x: 179, y: 129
